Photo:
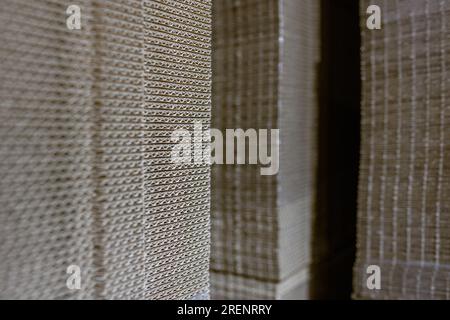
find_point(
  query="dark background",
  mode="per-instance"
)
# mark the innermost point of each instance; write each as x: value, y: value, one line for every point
x: 334, y: 233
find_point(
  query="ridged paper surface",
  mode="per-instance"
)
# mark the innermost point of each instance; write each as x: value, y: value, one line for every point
x: 86, y: 172
x: 404, y: 190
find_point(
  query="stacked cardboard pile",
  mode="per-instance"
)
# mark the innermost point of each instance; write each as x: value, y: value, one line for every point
x: 404, y: 197
x: 177, y: 45
x: 46, y: 121
x: 265, y: 56
x: 86, y: 172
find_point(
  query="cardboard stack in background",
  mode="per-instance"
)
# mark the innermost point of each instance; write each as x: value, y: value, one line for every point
x: 404, y: 201
x: 265, y: 56
x: 85, y: 167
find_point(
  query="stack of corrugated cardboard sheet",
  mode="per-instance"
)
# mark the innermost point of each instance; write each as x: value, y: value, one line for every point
x: 46, y: 120
x: 404, y: 201
x: 265, y: 55
x: 86, y: 173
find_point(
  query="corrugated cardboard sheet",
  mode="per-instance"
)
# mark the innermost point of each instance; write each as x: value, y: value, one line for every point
x: 404, y: 200
x: 86, y: 176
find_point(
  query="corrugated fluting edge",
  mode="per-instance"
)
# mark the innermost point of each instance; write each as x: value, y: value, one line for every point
x: 265, y: 55
x: 86, y: 177
x: 404, y: 191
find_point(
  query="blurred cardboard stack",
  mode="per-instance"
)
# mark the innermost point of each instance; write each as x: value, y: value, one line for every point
x: 85, y: 157
x: 46, y: 155
x: 265, y: 57
x: 404, y: 188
